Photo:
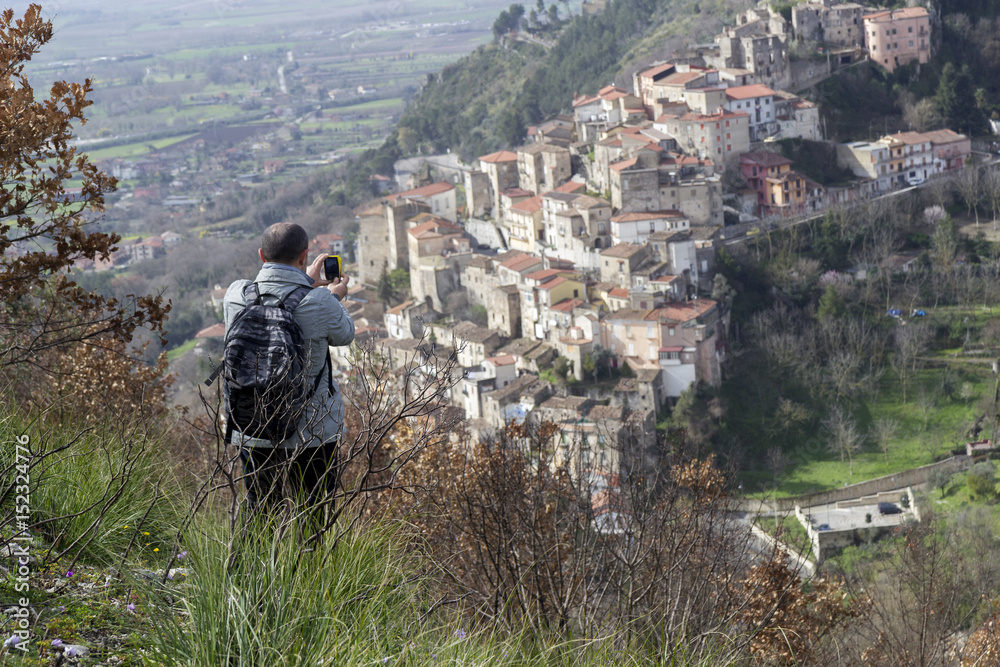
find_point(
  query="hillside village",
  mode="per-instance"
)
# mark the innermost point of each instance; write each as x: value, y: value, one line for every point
x: 590, y: 251
x: 592, y: 248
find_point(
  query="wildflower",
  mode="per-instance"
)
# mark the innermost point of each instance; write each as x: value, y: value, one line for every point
x: 62, y: 608
x: 146, y: 533
x: 57, y: 642
x: 130, y: 607
x: 70, y: 652
x: 124, y: 527
x: 155, y: 549
x: 69, y: 573
x: 12, y: 641
x: 181, y: 555
x: 170, y: 575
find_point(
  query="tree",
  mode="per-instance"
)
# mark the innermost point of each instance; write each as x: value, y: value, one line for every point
x: 385, y: 289
x: 981, y: 480
x: 721, y: 290
x: 43, y: 231
x: 845, y: 438
x: 831, y: 305
x: 922, y: 116
x: 971, y: 188
x: 956, y: 101
x: 884, y: 431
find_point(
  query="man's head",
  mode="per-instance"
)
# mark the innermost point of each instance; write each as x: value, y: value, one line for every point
x: 284, y: 243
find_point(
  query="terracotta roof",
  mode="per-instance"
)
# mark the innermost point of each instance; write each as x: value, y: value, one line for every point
x: 622, y: 250
x: 682, y: 311
x: 544, y: 274
x: 517, y: 192
x: 626, y: 314
x: 586, y: 201
x: 502, y: 360
x: 571, y: 187
x: 580, y: 101
x: 647, y: 215
x: 748, y: 92
x: 425, y: 191
x: 499, y: 156
x: 653, y: 72
x: 681, y: 78
x: 618, y: 293
x: 937, y: 137
x: 910, y: 137
x: 555, y: 282
x: 396, y: 310
x: 603, y: 412
x: 528, y: 205
x: 214, y: 331
x: 521, y: 263
x: 622, y: 165
x: 567, y: 305
x: 896, y: 14
x: 765, y: 159
x: 433, y: 228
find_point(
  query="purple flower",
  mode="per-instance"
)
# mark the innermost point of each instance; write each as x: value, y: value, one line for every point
x: 70, y: 652
x: 130, y: 607
x: 57, y: 642
x: 181, y: 555
x: 460, y: 633
x: 12, y: 641
x: 62, y: 608
x: 69, y: 574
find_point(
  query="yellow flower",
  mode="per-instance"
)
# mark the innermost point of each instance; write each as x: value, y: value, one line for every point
x: 156, y: 549
x: 146, y: 534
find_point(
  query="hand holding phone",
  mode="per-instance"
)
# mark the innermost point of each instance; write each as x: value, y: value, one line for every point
x: 331, y: 267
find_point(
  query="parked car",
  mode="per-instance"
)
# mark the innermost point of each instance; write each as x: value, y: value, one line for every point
x: 889, y: 508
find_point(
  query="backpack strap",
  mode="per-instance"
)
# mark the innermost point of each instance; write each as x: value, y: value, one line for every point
x: 293, y: 298
x: 251, y: 295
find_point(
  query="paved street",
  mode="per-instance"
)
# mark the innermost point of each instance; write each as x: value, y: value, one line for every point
x: 854, y: 517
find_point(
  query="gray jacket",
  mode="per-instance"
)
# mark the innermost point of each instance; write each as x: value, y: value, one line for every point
x: 324, y: 322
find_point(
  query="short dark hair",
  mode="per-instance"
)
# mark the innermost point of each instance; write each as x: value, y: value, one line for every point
x: 283, y: 242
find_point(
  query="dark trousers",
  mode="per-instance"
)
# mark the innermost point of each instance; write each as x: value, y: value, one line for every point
x: 311, y: 473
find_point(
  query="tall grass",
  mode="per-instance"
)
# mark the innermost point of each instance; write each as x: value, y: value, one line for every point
x: 258, y: 598
x: 99, y: 491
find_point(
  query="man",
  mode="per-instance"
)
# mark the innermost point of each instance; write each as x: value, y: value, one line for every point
x: 308, y: 456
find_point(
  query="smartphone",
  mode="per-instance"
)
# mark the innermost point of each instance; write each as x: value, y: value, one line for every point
x: 331, y: 267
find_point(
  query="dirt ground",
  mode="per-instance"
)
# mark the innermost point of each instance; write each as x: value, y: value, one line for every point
x: 967, y: 226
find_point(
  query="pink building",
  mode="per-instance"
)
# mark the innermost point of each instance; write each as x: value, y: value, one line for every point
x: 898, y: 37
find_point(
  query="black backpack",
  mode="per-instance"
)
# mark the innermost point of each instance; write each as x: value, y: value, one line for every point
x: 263, y: 367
